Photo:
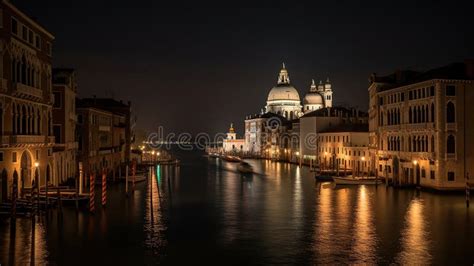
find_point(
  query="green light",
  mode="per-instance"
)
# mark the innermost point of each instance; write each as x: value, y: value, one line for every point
x: 158, y: 174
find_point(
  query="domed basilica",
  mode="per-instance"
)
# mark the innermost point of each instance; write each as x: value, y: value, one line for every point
x: 284, y: 99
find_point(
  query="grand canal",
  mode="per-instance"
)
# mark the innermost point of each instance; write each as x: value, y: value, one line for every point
x: 204, y: 212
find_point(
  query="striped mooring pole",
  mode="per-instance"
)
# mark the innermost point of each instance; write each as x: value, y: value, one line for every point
x: 104, y: 187
x: 91, y: 193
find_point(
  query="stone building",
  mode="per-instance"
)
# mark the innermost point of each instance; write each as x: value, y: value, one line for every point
x: 344, y: 149
x: 64, y: 124
x: 284, y: 99
x: 102, y: 129
x: 231, y: 144
x: 420, y: 126
x: 311, y: 124
x: 25, y: 100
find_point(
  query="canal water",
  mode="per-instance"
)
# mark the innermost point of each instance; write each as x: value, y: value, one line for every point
x: 205, y: 212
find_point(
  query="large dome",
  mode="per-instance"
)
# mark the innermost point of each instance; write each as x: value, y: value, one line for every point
x: 313, y: 98
x: 283, y: 92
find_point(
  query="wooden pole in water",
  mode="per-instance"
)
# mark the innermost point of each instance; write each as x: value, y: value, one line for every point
x: 468, y: 190
x: 134, y: 173
x: 104, y: 187
x: 91, y: 193
x: 126, y: 179
x: 14, y: 195
x: 59, y: 197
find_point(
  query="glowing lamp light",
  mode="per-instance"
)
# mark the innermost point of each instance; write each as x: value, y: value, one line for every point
x: 363, y: 158
x: 415, y: 162
x: 297, y: 153
x: 158, y: 153
x: 37, y: 164
x: 153, y: 152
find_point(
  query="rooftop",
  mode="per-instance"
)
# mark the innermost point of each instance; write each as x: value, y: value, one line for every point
x: 455, y: 71
x: 347, y: 128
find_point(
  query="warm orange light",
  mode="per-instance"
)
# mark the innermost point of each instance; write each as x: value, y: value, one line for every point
x: 415, y: 162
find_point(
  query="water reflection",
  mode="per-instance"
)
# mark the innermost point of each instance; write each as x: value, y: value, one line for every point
x: 154, y: 225
x: 415, y: 242
x: 324, y: 241
x: 24, y: 242
x: 363, y: 250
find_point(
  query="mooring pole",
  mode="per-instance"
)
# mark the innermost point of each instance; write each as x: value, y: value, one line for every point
x: 91, y: 193
x: 126, y: 180
x: 468, y: 190
x: 104, y: 187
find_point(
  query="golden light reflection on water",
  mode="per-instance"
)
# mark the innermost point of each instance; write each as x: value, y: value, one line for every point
x: 324, y: 223
x: 25, y: 243
x: 154, y: 225
x: 415, y: 242
x: 364, y: 247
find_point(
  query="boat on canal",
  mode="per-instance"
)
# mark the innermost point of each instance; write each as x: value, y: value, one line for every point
x: 324, y: 178
x: 245, y: 168
x: 350, y: 180
x: 232, y: 159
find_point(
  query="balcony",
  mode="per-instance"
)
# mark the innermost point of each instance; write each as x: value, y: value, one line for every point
x: 27, y: 92
x: 26, y: 139
x: 3, y: 85
x: 451, y: 126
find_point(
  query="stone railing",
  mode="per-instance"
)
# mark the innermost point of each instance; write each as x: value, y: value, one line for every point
x: 26, y: 91
x: 451, y: 126
x: 26, y: 139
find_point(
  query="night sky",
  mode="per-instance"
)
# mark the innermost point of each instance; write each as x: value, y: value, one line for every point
x: 197, y: 69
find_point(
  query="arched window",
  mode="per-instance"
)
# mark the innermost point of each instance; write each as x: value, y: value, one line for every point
x: 432, y: 112
x: 451, y: 144
x: 410, y: 117
x: 432, y: 144
x: 450, y: 113
x: 422, y: 120
x: 409, y: 144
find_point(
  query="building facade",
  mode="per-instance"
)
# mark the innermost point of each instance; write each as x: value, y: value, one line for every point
x: 102, y: 134
x: 344, y: 149
x: 25, y: 101
x: 64, y: 125
x: 420, y: 129
x: 311, y: 124
x: 231, y: 144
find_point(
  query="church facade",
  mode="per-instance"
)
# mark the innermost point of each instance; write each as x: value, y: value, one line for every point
x: 284, y: 99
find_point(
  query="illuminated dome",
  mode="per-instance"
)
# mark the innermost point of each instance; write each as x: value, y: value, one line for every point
x: 283, y: 92
x: 284, y: 99
x: 313, y: 98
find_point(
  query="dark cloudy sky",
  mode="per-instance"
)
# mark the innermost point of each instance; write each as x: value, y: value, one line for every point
x: 199, y: 68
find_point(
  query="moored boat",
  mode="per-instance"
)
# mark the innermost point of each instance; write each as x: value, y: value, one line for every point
x: 138, y: 178
x: 324, y: 178
x: 356, y: 180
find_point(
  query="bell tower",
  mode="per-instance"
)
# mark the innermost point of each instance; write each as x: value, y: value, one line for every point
x: 327, y: 93
x: 231, y: 135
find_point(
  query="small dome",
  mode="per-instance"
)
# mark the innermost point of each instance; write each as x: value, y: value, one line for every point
x: 283, y: 92
x: 313, y: 98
